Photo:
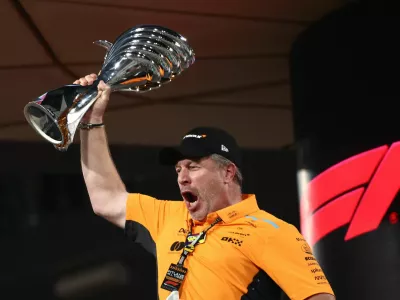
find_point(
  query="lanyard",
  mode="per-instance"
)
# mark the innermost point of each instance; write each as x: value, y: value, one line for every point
x: 177, y: 272
x: 189, y: 247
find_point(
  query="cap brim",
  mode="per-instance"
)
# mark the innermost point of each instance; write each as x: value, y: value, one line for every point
x: 169, y: 156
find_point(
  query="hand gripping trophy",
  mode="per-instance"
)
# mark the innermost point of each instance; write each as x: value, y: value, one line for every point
x: 141, y: 59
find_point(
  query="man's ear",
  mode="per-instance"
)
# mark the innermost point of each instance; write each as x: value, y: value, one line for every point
x: 230, y: 173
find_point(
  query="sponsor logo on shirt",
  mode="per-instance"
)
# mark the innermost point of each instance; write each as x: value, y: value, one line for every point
x: 232, y: 240
x: 182, y: 231
x: 177, y: 246
x: 239, y: 233
x: 306, y: 249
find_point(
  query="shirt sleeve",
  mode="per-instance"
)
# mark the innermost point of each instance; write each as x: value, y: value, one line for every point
x: 146, y: 217
x: 289, y: 261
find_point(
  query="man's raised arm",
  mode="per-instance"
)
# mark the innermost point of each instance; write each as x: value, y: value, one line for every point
x: 106, y: 190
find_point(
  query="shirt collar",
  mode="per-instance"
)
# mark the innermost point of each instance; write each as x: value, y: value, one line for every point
x: 233, y: 212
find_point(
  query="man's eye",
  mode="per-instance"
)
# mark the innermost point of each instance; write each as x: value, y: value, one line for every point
x: 177, y: 170
x: 193, y: 167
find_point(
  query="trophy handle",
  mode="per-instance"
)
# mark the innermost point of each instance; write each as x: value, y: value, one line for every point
x: 104, y: 44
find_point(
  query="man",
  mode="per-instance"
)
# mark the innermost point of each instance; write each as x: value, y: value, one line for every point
x: 216, y: 243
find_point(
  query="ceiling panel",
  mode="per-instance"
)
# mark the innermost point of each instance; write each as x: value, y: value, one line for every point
x: 214, y: 75
x: 18, y: 46
x: 27, y: 85
x: 165, y: 124
x: 208, y: 36
x: 239, y: 81
x: 273, y: 96
x: 304, y: 10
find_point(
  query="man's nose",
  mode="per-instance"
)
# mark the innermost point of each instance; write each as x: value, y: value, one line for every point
x: 183, y: 177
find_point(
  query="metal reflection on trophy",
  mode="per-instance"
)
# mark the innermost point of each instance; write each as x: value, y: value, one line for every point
x: 141, y: 59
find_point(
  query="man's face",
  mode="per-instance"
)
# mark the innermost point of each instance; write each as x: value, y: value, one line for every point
x: 201, y: 183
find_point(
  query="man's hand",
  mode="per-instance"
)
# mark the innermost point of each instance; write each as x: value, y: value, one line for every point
x: 96, y: 113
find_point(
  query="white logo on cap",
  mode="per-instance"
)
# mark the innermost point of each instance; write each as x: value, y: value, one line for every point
x: 223, y: 148
x: 197, y: 136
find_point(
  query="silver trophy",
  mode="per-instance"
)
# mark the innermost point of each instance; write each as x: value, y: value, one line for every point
x: 141, y: 59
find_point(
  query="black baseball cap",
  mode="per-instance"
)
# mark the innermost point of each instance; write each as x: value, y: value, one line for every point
x: 201, y: 142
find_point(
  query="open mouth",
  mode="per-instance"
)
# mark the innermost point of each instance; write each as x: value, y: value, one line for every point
x: 189, y: 197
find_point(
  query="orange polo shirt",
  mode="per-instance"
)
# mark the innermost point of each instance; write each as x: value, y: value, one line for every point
x: 234, y: 251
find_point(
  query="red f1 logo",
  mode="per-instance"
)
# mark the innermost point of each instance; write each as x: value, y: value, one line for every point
x: 361, y: 188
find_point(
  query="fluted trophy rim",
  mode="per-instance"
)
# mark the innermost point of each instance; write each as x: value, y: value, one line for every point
x: 186, y: 49
x: 154, y: 26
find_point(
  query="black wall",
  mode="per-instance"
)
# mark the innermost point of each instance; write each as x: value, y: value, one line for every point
x: 345, y: 92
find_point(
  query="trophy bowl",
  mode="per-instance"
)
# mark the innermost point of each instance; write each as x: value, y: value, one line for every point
x: 141, y: 59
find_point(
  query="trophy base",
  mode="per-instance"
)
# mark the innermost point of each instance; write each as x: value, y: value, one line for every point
x: 43, y: 122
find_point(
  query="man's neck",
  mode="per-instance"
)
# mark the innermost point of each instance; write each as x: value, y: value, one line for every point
x: 235, y: 196
x: 232, y: 198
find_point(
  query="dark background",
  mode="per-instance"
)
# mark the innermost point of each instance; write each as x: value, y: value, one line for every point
x: 345, y: 93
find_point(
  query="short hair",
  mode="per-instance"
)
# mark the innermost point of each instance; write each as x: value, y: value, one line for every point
x: 223, y: 162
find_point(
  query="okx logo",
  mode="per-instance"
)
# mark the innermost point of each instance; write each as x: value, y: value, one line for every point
x: 232, y: 240
x: 357, y: 191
